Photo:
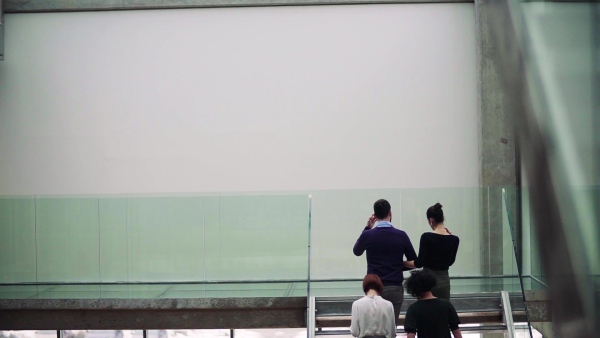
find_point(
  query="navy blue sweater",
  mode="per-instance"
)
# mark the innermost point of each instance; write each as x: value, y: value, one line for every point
x: 386, y: 248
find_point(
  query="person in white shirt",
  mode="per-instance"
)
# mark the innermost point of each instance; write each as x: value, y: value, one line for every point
x: 373, y: 316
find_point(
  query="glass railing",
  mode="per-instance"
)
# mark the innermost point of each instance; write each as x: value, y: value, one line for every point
x: 239, y: 246
x: 154, y: 247
x: 560, y: 41
x: 533, y: 272
x: 510, y: 197
x: 233, y: 246
x: 485, y: 261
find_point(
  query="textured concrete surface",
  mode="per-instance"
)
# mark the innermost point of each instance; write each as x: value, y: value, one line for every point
x: 21, y: 6
x: 539, y: 305
x: 498, y: 158
x: 546, y: 329
x: 537, y: 295
x: 154, y: 304
x: 118, y: 314
x: 1, y: 42
x: 497, y: 120
x: 221, y: 313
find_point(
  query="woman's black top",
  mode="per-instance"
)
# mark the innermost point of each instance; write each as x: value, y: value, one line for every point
x: 437, y: 252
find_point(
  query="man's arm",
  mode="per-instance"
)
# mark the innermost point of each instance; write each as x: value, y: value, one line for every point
x: 409, y: 264
x: 409, y: 252
x: 359, y: 246
x: 371, y: 222
x: 423, y: 252
x: 411, y: 335
x: 457, y: 333
x: 455, y: 251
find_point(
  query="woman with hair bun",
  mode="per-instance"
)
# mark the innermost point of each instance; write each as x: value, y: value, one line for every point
x: 373, y: 316
x: 437, y: 251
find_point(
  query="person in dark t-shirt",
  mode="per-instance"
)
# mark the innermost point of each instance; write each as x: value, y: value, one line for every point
x: 437, y: 251
x: 429, y: 317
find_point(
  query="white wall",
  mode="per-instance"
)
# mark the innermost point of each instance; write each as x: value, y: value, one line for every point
x: 244, y: 99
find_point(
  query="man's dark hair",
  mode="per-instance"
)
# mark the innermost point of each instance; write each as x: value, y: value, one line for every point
x: 372, y: 282
x: 420, y: 282
x: 381, y: 209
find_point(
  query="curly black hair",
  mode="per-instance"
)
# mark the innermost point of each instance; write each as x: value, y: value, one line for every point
x: 420, y: 282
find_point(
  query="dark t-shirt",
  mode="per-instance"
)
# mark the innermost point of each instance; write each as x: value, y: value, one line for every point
x: 386, y: 248
x: 431, y: 318
x: 437, y: 252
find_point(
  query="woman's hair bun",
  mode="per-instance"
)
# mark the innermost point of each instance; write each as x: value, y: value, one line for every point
x: 435, y: 212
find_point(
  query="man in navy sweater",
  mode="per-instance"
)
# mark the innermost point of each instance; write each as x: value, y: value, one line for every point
x: 386, y: 247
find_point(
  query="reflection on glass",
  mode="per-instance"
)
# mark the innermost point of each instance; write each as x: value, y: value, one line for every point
x: 561, y: 57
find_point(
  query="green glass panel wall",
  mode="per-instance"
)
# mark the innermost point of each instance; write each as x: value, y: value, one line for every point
x: 153, y: 239
x: 256, y: 238
x: 67, y: 240
x: 17, y: 240
x: 338, y: 218
x: 462, y: 217
x: 165, y: 239
x: 114, y: 250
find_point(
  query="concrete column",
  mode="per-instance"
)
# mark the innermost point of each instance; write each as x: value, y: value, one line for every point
x: 498, y: 152
x: 1, y: 30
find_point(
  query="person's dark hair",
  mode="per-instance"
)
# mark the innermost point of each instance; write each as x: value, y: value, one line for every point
x: 420, y: 282
x: 435, y: 212
x: 372, y: 282
x: 381, y: 209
